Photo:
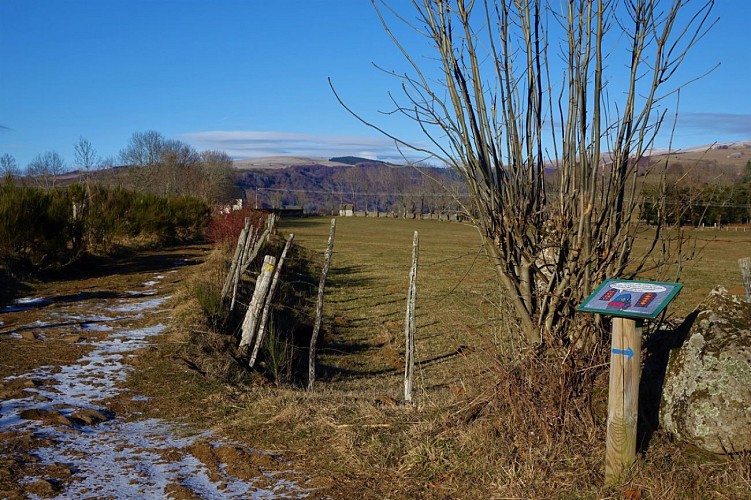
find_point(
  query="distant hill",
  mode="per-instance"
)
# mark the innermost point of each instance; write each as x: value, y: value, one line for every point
x: 356, y: 160
x: 276, y: 162
x: 322, y: 187
x: 719, y: 163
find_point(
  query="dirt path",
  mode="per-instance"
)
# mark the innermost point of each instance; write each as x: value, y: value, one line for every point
x: 65, y: 353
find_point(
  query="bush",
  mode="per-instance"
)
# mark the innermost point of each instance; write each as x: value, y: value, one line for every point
x: 37, y: 227
x: 49, y: 228
x: 224, y: 229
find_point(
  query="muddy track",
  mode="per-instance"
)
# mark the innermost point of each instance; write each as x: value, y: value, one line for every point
x: 65, y: 353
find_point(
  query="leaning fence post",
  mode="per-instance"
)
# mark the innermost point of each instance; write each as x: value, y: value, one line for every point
x: 241, y: 241
x: 238, y: 268
x: 745, y: 264
x: 250, y: 322
x: 258, y: 243
x: 409, y: 322
x: 319, y: 307
x: 267, y: 304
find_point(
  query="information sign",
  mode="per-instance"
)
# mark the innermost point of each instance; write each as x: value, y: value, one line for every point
x: 631, y: 299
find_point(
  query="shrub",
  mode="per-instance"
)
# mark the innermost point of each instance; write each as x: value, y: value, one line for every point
x: 224, y: 229
x: 48, y: 228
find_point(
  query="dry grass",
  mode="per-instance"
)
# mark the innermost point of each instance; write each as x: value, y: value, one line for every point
x: 480, y: 428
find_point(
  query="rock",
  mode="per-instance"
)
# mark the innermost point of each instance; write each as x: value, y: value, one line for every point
x: 28, y: 335
x: 706, y: 397
x: 87, y: 416
x: 44, y: 488
x: 46, y: 416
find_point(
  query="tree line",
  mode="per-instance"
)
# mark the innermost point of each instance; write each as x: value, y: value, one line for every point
x: 701, y: 203
x: 155, y: 165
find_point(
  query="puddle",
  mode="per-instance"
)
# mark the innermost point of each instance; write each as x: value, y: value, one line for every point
x: 111, y: 457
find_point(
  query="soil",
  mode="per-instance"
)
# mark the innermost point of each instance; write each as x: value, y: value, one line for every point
x: 69, y: 423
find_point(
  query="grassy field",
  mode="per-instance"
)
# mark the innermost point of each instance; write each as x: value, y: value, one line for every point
x: 466, y: 437
x: 366, y: 300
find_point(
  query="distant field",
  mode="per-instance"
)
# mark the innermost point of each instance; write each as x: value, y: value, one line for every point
x: 366, y: 297
x: 451, y: 256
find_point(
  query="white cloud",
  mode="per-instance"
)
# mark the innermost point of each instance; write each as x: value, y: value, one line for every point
x: 242, y: 144
x: 720, y: 124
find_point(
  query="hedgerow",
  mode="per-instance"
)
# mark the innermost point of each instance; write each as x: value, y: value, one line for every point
x: 49, y: 228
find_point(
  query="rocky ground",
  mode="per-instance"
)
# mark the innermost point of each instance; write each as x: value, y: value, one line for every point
x: 69, y: 426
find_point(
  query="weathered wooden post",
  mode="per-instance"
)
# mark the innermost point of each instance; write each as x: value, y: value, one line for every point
x: 259, y: 242
x: 267, y: 303
x: 627, y: 302
x: 239, y: 271
x: 250, y: 322
x: 241, y: 242
x: 623, y: 396
x: 319, y: 307
x: 409, y: 322
x: 745, y: 264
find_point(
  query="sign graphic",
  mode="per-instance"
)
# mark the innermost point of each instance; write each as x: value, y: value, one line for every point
x: 631, y: 299
x: 629, y: 353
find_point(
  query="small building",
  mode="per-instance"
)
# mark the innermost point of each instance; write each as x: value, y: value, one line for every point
x: 346, y: 210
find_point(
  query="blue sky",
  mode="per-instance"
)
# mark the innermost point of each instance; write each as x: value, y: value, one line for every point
x: 250, y: 77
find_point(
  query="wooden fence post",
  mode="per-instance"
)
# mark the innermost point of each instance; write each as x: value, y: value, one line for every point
x: 623, y: 398
x: 238, y: 273
x: 258, y: 245
x: 267, y: 304
x: 409, y: 322
x: 745, y: 264
x: 319, y: 307
x: 250, y: 322
x: 241, y: 242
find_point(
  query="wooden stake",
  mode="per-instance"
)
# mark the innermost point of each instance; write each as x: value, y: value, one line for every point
x: 238, y: 274
x: 241, y: 242
x: 319, y: 307
x: 409, y: 322
x: 250, y: 322
x: 745, y: 264
x: 267, y: 303
x: 270, y: 228
x: 623, y: 398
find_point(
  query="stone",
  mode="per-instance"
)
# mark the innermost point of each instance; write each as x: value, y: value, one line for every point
x: 706, y: 396
x: 87, y: 416
x: 49, y: 417
x: 29, y: 335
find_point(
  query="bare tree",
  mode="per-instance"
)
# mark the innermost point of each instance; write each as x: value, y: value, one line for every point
x: 45, y: 168
x: 85, y: 155
x: 9, y: 166
x: 217, y: 180
x: 500, y: 107
x: 143, y: 149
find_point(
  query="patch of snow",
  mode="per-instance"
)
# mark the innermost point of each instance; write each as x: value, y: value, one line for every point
x: 142, y: 470
x: 26, y: 303
x: 150, y: 283
x: 129, y: 306
x: 118, y: 459
x: 32, y: 300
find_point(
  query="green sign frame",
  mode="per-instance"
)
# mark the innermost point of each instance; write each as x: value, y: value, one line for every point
x: 631, y: 298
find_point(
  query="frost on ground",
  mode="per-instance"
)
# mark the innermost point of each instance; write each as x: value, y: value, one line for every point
x: 107, y: 456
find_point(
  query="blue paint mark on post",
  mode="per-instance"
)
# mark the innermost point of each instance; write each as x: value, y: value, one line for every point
x: 626, y: 352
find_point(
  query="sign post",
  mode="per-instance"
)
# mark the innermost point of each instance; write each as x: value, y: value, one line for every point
x: 628, y: 302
